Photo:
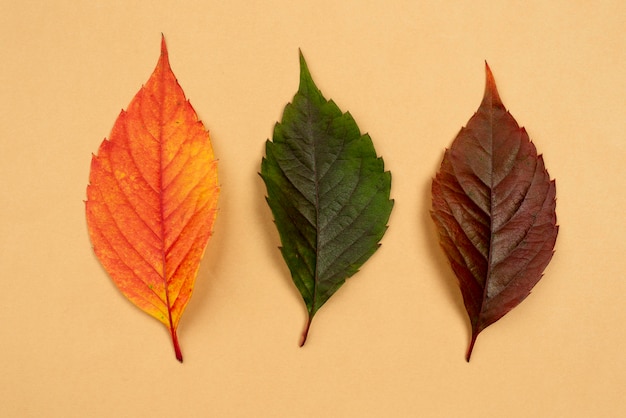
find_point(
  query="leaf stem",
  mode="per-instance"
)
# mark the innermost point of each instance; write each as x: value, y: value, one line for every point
x: 179, y: 354
x: 305, y: 333
x: 471, y: 346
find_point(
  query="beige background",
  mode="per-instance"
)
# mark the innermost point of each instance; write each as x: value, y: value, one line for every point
x: 391, y: 342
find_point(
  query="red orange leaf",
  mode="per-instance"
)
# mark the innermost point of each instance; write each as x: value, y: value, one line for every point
x: 152, y: 198
x: 494, y: 207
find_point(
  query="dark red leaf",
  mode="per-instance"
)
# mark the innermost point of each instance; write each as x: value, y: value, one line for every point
x: 494, y: 206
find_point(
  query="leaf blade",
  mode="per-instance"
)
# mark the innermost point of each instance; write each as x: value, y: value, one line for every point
x: 328, y: 192
x: 152, y: 198
x: 495, y: 210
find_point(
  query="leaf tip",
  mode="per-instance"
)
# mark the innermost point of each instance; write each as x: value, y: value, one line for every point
x: 304, y: 68
x: 163, y: 45
x: 164, y: 59
x: 307, y: 86
x: 491, y: 96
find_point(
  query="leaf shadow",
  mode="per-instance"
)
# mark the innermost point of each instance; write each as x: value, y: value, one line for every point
x: 435, y: 253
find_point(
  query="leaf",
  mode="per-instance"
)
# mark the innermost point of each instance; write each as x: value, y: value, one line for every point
x: 152, y: 198
x: 328, y: 192
x: 494, y: 207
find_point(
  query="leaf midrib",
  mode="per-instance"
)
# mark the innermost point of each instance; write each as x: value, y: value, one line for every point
x: 316, y: 181
x: 491, y: 205
x: 162, y: 193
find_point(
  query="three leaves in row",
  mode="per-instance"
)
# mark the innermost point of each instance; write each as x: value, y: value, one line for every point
x: 153, y: 192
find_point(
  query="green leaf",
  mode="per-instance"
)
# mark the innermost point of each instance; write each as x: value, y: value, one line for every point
x: 328, y: 192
